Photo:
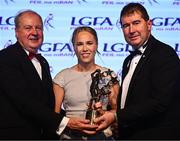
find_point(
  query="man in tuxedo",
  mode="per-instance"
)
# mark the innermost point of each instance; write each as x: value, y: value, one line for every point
x: 26, y: 93
x: 149, y: 97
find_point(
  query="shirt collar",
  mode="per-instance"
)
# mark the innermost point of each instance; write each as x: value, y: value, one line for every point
x: 143, y: 47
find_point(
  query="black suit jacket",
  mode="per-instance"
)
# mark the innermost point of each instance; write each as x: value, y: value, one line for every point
x: 26, y: 101
x: 153, y: 100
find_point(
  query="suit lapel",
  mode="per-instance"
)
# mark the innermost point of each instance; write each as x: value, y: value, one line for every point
x: 125, y: 69
x: 45, y: 68
x: 46, y: 82
x: 141, y: 63
x: 27, y: 65
x: 126, y: 66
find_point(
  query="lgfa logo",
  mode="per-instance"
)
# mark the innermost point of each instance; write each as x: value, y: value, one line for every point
x: 47, y: 21
x: 93, y: 21
x: 159, y: 22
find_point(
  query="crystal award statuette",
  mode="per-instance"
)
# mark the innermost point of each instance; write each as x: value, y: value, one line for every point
x: 100, y: 87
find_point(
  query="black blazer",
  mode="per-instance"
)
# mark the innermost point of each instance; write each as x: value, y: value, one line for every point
x: 26, y: 101
x: 153, y: 100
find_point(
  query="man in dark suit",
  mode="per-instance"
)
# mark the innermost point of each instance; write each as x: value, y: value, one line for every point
x: 149, y: 98
x: 26, y: 93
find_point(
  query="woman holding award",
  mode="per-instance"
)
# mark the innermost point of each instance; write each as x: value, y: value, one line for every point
x: 79, y: 87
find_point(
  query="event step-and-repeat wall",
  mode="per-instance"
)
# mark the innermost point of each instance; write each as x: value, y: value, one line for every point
x: 60, y: 17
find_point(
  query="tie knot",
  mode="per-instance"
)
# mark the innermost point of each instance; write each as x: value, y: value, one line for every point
x: 135, y: 52
x: 32, y: 55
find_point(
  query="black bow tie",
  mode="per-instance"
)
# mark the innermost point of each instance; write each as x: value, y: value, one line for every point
x: 135, y: 52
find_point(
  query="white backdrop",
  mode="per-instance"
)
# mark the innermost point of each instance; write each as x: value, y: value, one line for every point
x: 62, y: 16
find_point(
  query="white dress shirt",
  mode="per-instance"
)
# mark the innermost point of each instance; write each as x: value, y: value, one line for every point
x: 127, y: 79
x: 38, y: 68
x: 36, y: 64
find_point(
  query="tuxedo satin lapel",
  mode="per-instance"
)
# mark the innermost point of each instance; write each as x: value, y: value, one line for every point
x: 143, y: 59
x: 27, y: 65
x: 139, y: 67
x: 126, y: 66
x: 125, y: 69
x: 45, y: 68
